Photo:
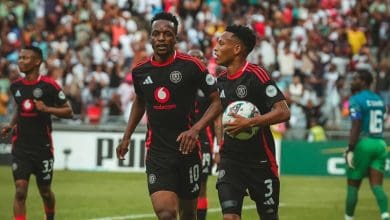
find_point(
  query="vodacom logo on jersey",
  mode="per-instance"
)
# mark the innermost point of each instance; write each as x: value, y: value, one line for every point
x: 27, y: 108
x: 162, y: 96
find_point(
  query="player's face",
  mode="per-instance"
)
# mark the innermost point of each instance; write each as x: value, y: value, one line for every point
x: 225, y: 49
x: 163, y: 37
x: 28, y: 60
x: 356, y: 83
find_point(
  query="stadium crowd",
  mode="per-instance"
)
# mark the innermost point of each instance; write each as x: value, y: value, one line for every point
x: 310, y: 47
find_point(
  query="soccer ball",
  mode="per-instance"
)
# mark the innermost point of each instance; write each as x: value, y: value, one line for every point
x: 245, y: 109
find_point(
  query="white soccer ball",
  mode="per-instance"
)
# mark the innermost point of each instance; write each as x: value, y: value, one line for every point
x: 245, y: 109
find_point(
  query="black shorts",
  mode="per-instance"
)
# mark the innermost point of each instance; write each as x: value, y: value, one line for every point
x: 207, y: 160
x: 40, y: 165
x: 234, y: 182
x: 180, y: 175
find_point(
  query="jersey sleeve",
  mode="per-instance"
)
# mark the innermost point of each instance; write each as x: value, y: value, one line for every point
x: 59, y: 97
x: 207, y: 82
x: 269, y: 91
x: 137, y: 83
x: 355, y: 112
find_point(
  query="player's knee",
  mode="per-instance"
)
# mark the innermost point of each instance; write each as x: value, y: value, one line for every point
x: 166, y: 215
x: 269, y: 215
x: 46, y: 194
x: 231, y: 217
x: 20, y: 194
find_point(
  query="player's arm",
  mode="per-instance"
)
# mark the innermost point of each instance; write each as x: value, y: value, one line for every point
x: 189, y: 138
x: 137, y: 111
x: 8, y: 128
x: 62, y: 111
x: 353, y: 139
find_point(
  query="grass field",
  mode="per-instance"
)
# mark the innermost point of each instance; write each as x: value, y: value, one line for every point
x: 121, y: 196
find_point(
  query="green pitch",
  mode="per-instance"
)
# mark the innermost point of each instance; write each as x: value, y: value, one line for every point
x: 121, y: 196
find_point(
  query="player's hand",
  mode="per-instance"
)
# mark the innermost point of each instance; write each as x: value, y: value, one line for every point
x: 237, y: 124
x: 188, y: 140
x: 122, y: 149
x: 40, y: 106
x: 5, y: 131
x: 348, y: 154
x: 217, y: 158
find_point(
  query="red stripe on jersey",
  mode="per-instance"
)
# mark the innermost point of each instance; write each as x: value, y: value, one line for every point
x: 165, y: 63
x: 201, y: 66
x: 51, y: 82
x: 17, y: 80
x: 143, y: 61
x: 259, y: 72
x: 271, y: 157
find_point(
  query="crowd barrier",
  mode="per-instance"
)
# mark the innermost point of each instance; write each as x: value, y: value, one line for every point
x: 94, y: 150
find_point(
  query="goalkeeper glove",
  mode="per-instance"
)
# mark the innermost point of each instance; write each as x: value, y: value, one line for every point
x: 348, y: 154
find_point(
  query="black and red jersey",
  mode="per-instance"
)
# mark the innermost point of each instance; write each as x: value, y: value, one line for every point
x: 33, y: 128
x: 169, y: 91
x: 251, y: 83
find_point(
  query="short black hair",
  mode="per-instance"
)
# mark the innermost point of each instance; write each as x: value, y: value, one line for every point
x: 36, y: 50
x: 366, y: 76
x: 166, y: 16
x: 245, y: 34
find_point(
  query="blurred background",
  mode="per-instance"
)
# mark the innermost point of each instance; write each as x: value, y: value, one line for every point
x: 311, y: 48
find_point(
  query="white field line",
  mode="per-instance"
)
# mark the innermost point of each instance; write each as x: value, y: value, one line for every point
x: 151, y: 215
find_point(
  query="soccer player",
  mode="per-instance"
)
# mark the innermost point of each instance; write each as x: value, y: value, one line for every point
x: 166, y: 85
x: 366, y: 152
x: 206, y: 139
x: 248, y: 166
x: 37, y: 97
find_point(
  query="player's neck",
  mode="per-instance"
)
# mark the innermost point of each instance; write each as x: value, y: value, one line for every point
x: 162, y: 59
x: 236, y: 66
x: 32, y: 76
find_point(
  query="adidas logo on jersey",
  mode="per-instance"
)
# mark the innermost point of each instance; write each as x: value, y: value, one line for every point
x: 270, y: 201
x: 147, y: 81
x: 222, y: 94
x: 17, y: 94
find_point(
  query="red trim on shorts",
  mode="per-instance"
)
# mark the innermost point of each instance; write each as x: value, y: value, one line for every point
x: 203, y: 203
x: 271, y: 157
x: 50, y: 140
x: 209, y: 134
x: 149, y: 139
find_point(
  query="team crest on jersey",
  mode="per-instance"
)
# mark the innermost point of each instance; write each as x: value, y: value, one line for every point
x: 162, y: 94
x: 61, y: 95
x: 175, y: 77
x: 241, y: 91
x: 37, y: 93
x: 152, y: 178
x: 271, y: 91
x: 27, y: 105
x: 210, y: 80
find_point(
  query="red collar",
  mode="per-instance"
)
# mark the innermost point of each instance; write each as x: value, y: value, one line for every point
x: 238, y: 73
x: 167, y: 62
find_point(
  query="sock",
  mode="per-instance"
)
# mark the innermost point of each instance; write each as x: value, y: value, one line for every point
x: 20, y: 217
x: 49, y: 213
x: 346, y: 217
x: 351, y: 201
x: 202, y: 208
x: 381, y: 199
